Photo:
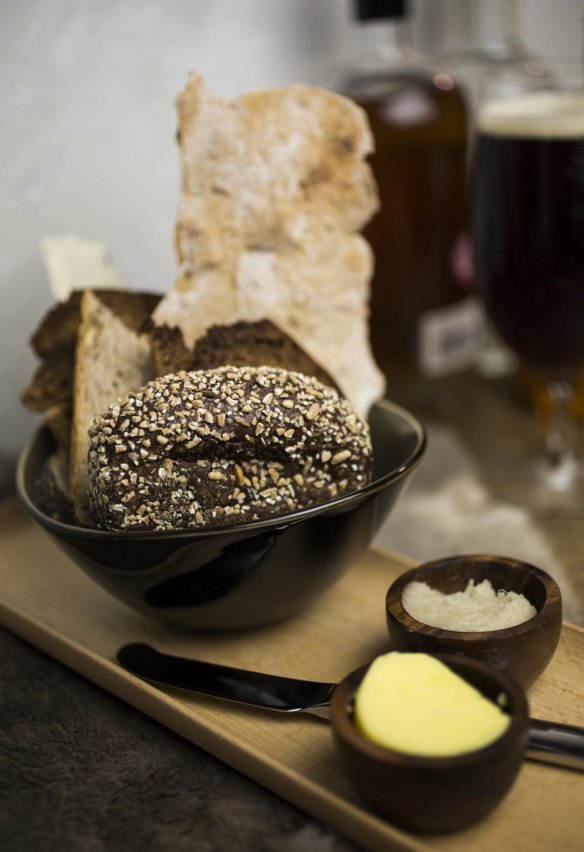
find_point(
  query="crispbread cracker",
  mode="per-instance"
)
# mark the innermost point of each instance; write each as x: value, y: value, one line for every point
x: 275, y: 189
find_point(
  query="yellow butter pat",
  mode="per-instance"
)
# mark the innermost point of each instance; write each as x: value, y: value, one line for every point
x: 413, y: 703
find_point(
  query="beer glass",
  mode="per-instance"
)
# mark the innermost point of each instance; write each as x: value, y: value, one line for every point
x: 528, y: 236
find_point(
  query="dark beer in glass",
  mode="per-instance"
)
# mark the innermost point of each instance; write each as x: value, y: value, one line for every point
x: 528, y: 224
x: 528, y: 234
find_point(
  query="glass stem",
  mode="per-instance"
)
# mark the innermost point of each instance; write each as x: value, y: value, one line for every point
x: 560, y: 440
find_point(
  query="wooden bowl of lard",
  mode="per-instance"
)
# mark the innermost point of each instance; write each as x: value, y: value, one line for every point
x: 512, y: 622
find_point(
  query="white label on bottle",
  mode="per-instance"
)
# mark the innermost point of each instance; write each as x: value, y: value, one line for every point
x: 448, y: 338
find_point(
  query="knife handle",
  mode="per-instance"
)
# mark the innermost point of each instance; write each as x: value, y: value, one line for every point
x: 550, y: 742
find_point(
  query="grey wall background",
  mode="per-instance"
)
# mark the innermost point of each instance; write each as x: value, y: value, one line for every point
x: 88, y: 126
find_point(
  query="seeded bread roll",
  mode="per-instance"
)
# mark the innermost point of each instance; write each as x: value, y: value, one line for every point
x: 223, y: 446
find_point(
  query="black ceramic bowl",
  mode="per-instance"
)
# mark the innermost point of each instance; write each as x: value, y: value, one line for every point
x: 434, y: 794
x: 523, y: 651
x: 243, y: 575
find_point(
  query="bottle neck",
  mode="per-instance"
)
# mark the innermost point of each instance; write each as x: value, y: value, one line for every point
x: 383, y: 43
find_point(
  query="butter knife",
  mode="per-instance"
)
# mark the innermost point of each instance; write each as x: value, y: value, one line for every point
x: 548, y: 742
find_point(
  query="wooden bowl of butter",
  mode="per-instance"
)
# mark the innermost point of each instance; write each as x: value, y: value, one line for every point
x: 432, y: 742
x: 495, y: 609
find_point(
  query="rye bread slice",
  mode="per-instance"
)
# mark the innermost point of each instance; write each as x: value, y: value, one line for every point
x: 240, y: 344
x: 111, y: 361
x: 255, y: 344
x: 50, y: 390
x: 51, y: 383
x: 55, y: 339
x: 169, y: 352
x: 58, y: 328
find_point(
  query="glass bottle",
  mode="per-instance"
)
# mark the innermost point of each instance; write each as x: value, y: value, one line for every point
x: 423, y: 322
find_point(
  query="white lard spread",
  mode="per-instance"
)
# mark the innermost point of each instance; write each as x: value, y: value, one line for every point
x: 478, y: 608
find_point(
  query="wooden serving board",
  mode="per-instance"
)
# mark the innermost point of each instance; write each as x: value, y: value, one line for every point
x: 46, y: 600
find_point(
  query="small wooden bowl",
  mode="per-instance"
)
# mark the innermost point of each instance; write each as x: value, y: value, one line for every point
x: 522, y: 651
x: 434, y: 794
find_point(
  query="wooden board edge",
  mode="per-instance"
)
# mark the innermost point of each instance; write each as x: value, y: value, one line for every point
x: 364, y: 828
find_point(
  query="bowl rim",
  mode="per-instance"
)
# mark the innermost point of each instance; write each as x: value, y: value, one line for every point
x: 372, y: 488
x: 344, y: 726
x: 396, y: 610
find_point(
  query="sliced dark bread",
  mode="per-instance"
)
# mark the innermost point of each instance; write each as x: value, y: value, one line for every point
x: 50, y: 390
x: 111, y: 360
x: 254, y: 344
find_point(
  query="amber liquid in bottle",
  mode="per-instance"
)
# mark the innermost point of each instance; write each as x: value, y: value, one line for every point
x: 419, y: 123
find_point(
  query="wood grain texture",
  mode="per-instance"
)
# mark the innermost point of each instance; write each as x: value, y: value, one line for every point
x: 47, y: 601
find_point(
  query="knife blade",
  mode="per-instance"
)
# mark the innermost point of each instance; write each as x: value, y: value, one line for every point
x: 270, y: 692
x: 548, y: 742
